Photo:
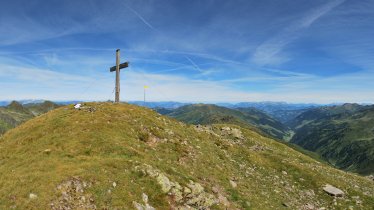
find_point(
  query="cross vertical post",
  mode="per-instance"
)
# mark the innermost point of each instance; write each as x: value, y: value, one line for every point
x: 117, y: 77
x: 117, y: 69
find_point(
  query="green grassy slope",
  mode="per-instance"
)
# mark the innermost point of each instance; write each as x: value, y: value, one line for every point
x: 285, y: 116
x: 343, y: 135
x: 209, y: 114
x: 106, y: 156
x: 16, y: 113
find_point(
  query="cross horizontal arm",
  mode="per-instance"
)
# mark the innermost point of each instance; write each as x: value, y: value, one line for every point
x: 121, y: 66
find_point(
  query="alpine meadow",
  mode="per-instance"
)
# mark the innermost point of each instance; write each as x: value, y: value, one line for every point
x: 201, y: 104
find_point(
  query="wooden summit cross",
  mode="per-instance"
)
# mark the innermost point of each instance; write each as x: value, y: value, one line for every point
x: 116, y: 68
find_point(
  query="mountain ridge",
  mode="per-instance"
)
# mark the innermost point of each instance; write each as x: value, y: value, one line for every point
x: 15, y: 113
x: 212, y: 114
x: 343, y: 135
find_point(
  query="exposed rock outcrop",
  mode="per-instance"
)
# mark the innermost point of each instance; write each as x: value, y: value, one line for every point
x: 191, y: 196
x: 73, y: 195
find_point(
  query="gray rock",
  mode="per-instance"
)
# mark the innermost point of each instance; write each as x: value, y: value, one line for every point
x: 145, y: 198
x: 144, y: 206
x: 237, y: 133
x: 308, y: 206
x: 33, y: 196
x: 233, y: 184
x: 285, y: 204
x: 331, y: 190
x: 164, y: 182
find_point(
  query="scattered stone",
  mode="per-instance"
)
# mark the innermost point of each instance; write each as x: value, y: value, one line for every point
x: 215, y: 189
x: 284, y: 172
x: 47, y: 151
x: 223, y: 200
x: 371, y: 177
x: 309, y: 193
x: 144, y: 206
x: 285, y: 204
x: 308, y: 206
x: 90, y: 109
x: 169, y: 132
x: 114, y: 184
x: 233, y: 184
x: 33, y: 196
x: 198, y: 197
x: 258, y: 148
x: 333, y: 191
x: 236, y: 133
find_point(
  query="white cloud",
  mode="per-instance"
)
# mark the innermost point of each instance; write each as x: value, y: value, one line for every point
x: 36, y: 75
x: 46, y: 84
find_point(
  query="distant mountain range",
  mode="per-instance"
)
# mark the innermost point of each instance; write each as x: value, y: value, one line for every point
x: 15, y: 113
x: 281, y: 111
x: 212, y: 114
x: 162, y: 104
x: 38, y: 101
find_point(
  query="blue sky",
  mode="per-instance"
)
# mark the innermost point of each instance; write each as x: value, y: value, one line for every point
x: 199, y: 51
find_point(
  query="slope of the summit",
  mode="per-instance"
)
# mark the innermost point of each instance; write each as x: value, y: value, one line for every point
x: 120, y: 156
x: 342, y: 135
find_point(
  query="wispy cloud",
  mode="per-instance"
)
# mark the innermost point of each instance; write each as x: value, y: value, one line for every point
x: 140, y: 17
x: 44, y: 76
x: 269, y: 52
x: 184, y: 57
x: 194, y: 64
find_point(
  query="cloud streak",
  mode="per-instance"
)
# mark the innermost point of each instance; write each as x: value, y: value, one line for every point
x: 140, y: 17
x: 269, y: 52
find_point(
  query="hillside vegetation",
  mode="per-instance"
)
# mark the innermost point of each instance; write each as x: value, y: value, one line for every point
x: 342, y: 135
x: 120, y: 156
x: 248, y: 117
x: 282, y: 111
x: 16, y: 113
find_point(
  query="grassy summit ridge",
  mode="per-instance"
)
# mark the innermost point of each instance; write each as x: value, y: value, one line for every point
x: 107, y: 155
